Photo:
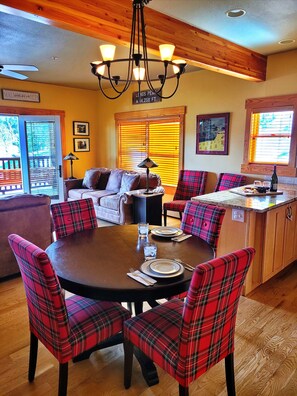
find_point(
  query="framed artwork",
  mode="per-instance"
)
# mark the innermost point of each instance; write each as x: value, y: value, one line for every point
x: 81, y: 144
x: 212, y: 133
x: 81, y: 128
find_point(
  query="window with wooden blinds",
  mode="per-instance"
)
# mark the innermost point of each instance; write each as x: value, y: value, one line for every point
x: 271, y: 136
x: 159, y: 137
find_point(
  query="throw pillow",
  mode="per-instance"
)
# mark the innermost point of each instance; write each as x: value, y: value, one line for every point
x: 114, y: 180
x: 91, y: 178
x: 130, y: 182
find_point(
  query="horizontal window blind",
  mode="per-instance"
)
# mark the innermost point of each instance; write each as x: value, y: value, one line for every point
x: 270, y: 138
x: 158, y: 139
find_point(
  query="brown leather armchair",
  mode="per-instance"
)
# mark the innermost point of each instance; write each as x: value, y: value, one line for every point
x: 28, y: 216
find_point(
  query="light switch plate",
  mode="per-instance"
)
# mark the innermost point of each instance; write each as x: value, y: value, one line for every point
x: 238, y: 215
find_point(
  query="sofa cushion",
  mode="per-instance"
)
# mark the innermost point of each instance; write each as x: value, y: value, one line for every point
x: 77, y: 193
x: 114, y: 180
x: 91, y: 178
x: 103, y: 179
x: 129, y: 182
x: 97, y: 195
x: 110, y: 202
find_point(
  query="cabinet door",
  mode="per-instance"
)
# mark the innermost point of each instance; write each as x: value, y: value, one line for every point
x: 290, y: 234
x: 273, y: 242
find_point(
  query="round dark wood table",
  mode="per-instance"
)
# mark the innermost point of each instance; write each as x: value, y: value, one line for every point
x: 94, y: 263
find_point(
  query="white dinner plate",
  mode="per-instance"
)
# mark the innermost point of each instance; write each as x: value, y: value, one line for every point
x: 168, y: 232
x: 164, y: 266
x: 146, y: 269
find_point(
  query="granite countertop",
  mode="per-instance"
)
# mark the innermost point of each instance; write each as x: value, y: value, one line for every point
x: 262, y: 203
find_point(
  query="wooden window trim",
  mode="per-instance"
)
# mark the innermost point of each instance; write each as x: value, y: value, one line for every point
x: 270, y: 104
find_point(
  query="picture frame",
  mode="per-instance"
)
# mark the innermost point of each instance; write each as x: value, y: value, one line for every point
x: 212, y: 133
x: 81, y: 144
x: 81, y: 128
x: 22, y: 96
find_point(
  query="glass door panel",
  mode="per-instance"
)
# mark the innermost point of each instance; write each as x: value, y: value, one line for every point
x: 41, y: 155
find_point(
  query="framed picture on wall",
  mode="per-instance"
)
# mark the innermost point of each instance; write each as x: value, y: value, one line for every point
x: 212, y: 133
x: 81, y: 144
x: 81, y: 128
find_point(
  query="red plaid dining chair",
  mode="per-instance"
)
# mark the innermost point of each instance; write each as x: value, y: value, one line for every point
x: 66, y: 327
x: 73, y: 216
x: 229, y: 180
x: 187, y: 338
x: 203, y: 221
x: 190, y: 184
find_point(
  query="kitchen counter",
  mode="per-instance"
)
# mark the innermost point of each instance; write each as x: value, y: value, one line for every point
x: 267, y: 222
x: 262, y: 203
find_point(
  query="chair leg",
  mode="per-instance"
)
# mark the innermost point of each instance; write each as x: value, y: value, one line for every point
x: 230, y: 378
x: 63, y: 379
x: 128, y: 361
x: 165, y: 217
x: 183, y: 390
x: 32, y: 356
x: 180, y: 215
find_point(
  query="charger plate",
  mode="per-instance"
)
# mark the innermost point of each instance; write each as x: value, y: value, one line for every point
x: 167, y: 232
x: 168, y: 267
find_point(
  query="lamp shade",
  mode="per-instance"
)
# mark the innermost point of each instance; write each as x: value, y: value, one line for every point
x: 70, y: 156
x: 147, y: 163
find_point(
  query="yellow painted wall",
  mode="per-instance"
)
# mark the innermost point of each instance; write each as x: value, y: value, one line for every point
x: 78, y: 105
x: 205, y: 92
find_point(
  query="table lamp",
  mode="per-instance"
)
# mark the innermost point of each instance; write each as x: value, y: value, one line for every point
x: 71, y: 157
x: 147, y: 163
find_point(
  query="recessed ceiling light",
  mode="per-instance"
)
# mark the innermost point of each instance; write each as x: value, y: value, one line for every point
x: 235, y: 13
x: 286, y: 42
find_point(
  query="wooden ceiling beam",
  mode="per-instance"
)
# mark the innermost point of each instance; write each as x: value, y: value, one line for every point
x: 111, y: 21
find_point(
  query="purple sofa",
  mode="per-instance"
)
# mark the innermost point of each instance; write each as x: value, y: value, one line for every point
x: 112, y: 191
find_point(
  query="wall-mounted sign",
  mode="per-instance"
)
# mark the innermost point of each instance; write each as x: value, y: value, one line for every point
x: 23, y: 96
x: 145, y: 97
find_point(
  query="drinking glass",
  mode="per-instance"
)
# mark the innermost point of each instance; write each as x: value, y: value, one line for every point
x: 150, y: 251
x: 143, y: 229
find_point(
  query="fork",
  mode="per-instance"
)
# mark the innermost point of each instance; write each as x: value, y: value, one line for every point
x: 187, y: 266
x: 134, y: 273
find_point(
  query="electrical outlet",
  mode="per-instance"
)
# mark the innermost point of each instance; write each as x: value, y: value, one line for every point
x: 238, y: 215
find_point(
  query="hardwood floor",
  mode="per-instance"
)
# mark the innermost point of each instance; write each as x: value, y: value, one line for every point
x: 265, y: 352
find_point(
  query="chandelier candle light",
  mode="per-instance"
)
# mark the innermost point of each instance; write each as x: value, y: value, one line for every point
x: 71, y: 157
x: 138, y: 64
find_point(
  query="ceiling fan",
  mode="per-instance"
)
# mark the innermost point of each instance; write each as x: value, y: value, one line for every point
x: 8, y: 70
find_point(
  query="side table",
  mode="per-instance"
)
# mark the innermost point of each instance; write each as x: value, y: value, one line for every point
x: 147, y: 208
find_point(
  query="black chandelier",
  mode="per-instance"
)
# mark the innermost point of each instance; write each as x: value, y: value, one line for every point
x: 137, y: 65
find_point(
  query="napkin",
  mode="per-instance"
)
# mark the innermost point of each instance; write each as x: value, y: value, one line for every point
x: 181, y: 238
x: 141, y: 278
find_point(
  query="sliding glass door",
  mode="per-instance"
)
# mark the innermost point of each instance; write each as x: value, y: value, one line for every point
x: 41, y: 157
x: 31, y: 155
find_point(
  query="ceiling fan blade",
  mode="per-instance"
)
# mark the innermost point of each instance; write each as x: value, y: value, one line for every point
x: 12, y: 74
x: 20, y: 67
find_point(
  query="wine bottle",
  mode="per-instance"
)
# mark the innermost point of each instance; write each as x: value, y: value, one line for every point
x: 274, y: 180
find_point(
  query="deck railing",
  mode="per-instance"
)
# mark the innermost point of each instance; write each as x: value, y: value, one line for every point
x: 42, y: 173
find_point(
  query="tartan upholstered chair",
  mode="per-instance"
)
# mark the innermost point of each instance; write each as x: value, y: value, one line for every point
x: 204, y: 221
x: 190, y: 184
x: 65, y: 327
x: 187, y: 338
x: 229, y: 180
x: 73, y: 216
